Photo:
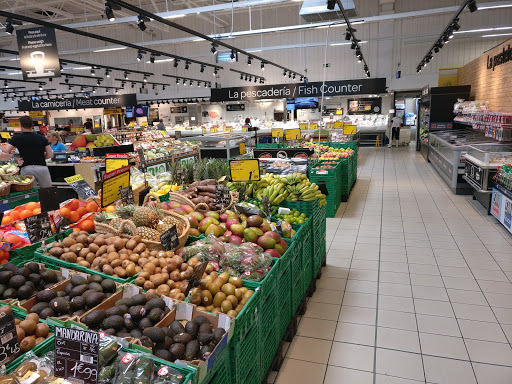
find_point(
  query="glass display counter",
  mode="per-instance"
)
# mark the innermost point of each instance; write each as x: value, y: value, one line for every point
x: 222, y: 146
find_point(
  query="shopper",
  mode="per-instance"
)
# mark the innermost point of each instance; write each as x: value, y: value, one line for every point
x: 55, y: 142
x: 248, y: 122
x: 160, y: 126
x: 396, y: 124
x: 88, y: 126
x: 33, y: 149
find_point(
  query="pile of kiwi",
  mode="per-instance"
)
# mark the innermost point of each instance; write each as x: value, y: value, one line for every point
x: 80, y: 295
x: 129, y: 317
x: 22, y: 283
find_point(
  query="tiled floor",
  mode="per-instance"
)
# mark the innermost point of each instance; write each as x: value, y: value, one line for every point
x: 417, y: 287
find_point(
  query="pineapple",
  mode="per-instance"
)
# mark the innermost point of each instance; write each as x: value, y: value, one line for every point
x: 100, y: 217
x: 145, y: 217
x: 148, y: 233
x: 163, y: 226
x: 126, y: 212
x: 115, y: 223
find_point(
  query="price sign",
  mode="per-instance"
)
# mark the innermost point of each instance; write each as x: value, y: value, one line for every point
x: 127, y: 195
x: 5, y: 135
x: 9, y: 345
x: 196, y: 277
x: 203, y: 130
x: 338, y: 125
x: 81, y: 187
x: 49, y: 199
x: 115, y: 161
x: 180, y: 177
x: 144, y: 124
x: 157, y: 169
x: 177, y: 134
x: 132, y: 124
x: 38, y: 227
x: 112, y: 184
x: 277, y: 132
x: 76, y: 355
x: 143, y: 194
x: 349, y: 129
x: 245, y: 129
x: 222, y: 195
x: 303, y: 126
x: 169, y: 239
x: 36, y: 114
x: 313, y: 126
x: 267, y: 206
x: 213, y: 130
x: 292, y: 134
x: 242, y: 149
x: 244, y: 170
x: 229, y: 129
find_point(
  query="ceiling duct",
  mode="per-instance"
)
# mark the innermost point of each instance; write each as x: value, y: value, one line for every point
x: 316, y: 10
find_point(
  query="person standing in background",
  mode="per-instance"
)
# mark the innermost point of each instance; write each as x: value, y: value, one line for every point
x: 396, y: 124
x: 34, y: 149
x: 55, y: 141
x: 160, y: 126
x: 88, y: 126
x: 248, y: 122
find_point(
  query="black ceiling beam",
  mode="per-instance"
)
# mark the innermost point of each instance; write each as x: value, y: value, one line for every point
x: 195, y: 33
x: 7, y: 68
x: 248, y: 74
x: 70, y: 76
x: 24, y: 81
x: 90, y: 86
x: 142, y: 82
x: 101, y: 66
x: 102, y: 38
x: 185, y: 78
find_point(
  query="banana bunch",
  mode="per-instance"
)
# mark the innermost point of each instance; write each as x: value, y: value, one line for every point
x: 234, y: 186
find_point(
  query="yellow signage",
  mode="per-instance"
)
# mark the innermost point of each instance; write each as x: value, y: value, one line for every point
x: 5, y: 135
x: 144, y: 123
x: 229, y: 129
x: 313, y: 126
x: 277, y: 132
x: 113, y: 163
x: 113, y: 111
x: 96, y: 125
x: 213, y: 130
x: 111, y: 191
x: 241, y: 146
x: 36, y: 115
x: 203, y: 130
x: 132, y: 124
x: 73, y: 179
x: 367, y: 107
x: 349, y: 130
x: 245, y: 129
x: 339, y: 111
x: 14, y: 123
x: 245, y: 170
x: 338, y: 125
x: 292, y: 134
x: 303, y: 126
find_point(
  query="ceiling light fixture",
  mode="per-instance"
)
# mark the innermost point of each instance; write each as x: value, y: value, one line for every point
x: 284, y: 73
x: 215, y: 71
x: 140, y: 23
x: 202, y: 68
x: 331, y: 4
x: 187, y: 65
x: 233, y: 55
x: 107, y: 73
x: 262, y: 66
x: 152, y: 59
x: 145, y: 79
x: 93, y: 72
x: 176, y: 62
x: 139, y: 56
x: 348, y: 35
x: 126, y: 75
x: 9, y: 28
x: 214, y: 48
x: 108, y: 12
x: 472, y: 6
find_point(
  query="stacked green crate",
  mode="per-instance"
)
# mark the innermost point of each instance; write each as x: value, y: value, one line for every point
x: 307, y: 261
x: 319, y: 240
x: 297, y: 277
x: 344, y: 182
x: 268, y: 349
x: 284, y: 289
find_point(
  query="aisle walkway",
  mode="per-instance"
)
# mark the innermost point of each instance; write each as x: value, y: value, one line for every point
x: 417, y: 287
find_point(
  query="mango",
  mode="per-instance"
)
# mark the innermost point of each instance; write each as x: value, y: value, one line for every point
x: 254, y: 221
x: 266, y: 242
x: 250, y: 236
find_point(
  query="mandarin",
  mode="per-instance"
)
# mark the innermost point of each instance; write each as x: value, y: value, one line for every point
x: 73, y: 205
x: 31, y: 206
x: 36, y: 211
x: 92, y: 207
x: 82, y: 211
x: 87, y: 225
x: 64, y: 212
x: 15, y: 215
x: 74, y: 216
x: 25, y: 213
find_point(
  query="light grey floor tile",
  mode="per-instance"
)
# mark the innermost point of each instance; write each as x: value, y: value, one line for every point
x: 400, y: 364
x: 448, y: 371
x: 398, y: 339
x: 443, y: 346
x: 355, y: 333
x: 352, y: 356
x: 489, y: 352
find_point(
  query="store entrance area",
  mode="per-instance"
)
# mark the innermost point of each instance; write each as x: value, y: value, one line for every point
x: 417, y: 286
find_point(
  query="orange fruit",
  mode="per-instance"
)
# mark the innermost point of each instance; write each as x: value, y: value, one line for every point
x: 14, y: 215
x: 87, y: 225
x: 64, y: 212
x: 110, y: 208
x: 76, y: 229
x: 31, y: 206
x: 91, y: 207
x: 73, y: 205
x: 74, y: 216
x: 19, y: 208
x: 82, y: 211
x: 26, y: 213
x: 6, y: 220
x: 36, y: 211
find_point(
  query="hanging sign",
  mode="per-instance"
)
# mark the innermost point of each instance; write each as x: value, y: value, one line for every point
x: 303, y: 126
x: 229, y: 129
x: 38, y: 227
x: 244, y: 170
x: 127, y: 196
x: 5, y: 135
x: 203, y: 130
x: 157, y: 169
x: 115, y: 161
x: 14, y: 123
x: 213, y: 130
x: 349, y: 129
x: 36, y: 115
x: 81, y: 187
x: 112, y: 111
x: 313, y: 126
x: 245, y: 129
x: 78, y: 102
x: 339, y: 111
x: 277, y: 132
x: 338, y: 125
x: 235, y: 107
x: 112, y: 184
x: 39, y: 57
x: 292, y: 134
x: 241, y: 147
x: 132, y: 124
x: 144, y: 124
x: 169, y: 239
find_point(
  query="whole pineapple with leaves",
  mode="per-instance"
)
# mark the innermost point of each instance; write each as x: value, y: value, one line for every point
x: 148, y: 233
x: 146, y: 217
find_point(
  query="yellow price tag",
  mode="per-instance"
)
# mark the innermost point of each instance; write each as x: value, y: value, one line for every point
x: 111, y: 164
x: 241, y: 146
x: 112, y: 111
x: 229, y: 129
x: 367, y: 107
x: 292, y: 134
x: 132, y: 124
x: 213, y: 130
x: 96, y: 125
x: 313, y: 126
x: 245, y: 129
x: 73, y: 179
x: 338, y: 125
x: 111, y: 190
x: 14, y: 123
x: 277, y: 132
x: 5, y: 135
x: 36, y: 115
x: 349, y: 130
x: 203, y: 130
x: 144, y: 124
x: 245, y: 170
x: 303, y: 126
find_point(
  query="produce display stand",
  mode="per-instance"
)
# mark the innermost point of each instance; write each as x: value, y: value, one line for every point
x: 501, y: 205
x: 210, y: 146
x: 15, y: 199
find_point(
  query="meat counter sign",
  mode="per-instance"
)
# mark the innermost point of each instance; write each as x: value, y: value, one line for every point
x: 38, y: 53
x: 78, y: 102
x: 281, y: 91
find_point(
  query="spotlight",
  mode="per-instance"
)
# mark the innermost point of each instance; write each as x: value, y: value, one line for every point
x: 348, y: 35
x: 107, y: 73
x: 215, y: 71
x: 302, y: 78
x: 472, y: 6
x: 117, y: 91
x: 163, y: 87
x: 108, y: 12
x: 446, y: 39
x: 191, y: 83
x: 202, y: 68
x: 306, y: 80
x: 246, y: 77
x: 94, y: 90
x: 353, y: 45
x: 40, y: 87
x: 233, y: 55
x: 187, y: 65
x: 140, y: 23
x: 133, y: 85
x: 436, y: 49
x: 250, y: 78
x: 152, y: 59
x: 241, y: 77
x: 294, y: 76
x: 365, y: 68
x: 262, y: 66
x: 255, y: 80
x: 331, y: 4
x: 289, y: 75
x: 70, y: 88
x: 139, y: 56
x: 214, y: 48
x: 209, y: 85
x: 249, y: 61
x: 9, y: 29
x: 284, y: 73
x: 368, y: 74
x: 184, y: 82
x: 6, y: 84
x: 261, y: 81
x: 106, y: 90
x: 154, y: 86
x: 98, y: 82
x: 449, y: 32
x: 176, y: 62
x: 93, y: 72
x: 126, y: 75
x: 456, y: 25
x: 178, y: 81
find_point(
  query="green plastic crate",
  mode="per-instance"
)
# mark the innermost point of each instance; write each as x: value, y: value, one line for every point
x: 285, y: 314
x: 268, y: 351
x: 310, y: 208
x: 307, y: 261
x: 192, y: 239
x: 17, y: 203
x: 23, y: 254
x: 319, y: 257
x: 39, y: 350
x: 244, y: 355
x: 267, y: 145
x: 296, y: 261
x: 222, y: 373
x: 297, y: 294
x: 284, y: 275
x: 251, y: 375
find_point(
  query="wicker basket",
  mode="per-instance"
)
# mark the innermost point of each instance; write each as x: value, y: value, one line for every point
x: 5, y: 190
x: 20, y: 187
x: 105, y: 228
x: 137, y: 191
x: 173, y: 196
x: 204, y: 208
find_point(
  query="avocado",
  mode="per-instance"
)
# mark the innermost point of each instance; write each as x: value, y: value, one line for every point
x: 124, y: 308
x: 110, y: 331
x: 87, y: 293
x: 46, y: 295
x: 145, y: 323
x: 124, y: 301
x: 123, y: 333
x: 136, y: 333
x: 33, y: 267
x: 3, y: 287
x: 31, y: 284
x: 217, y: 335
x: 78, y: 290
x: 49, y: 276
x: 5, y: 276
x: 94, y: 319
x: 155, y: 315
x: 9, y: 267
x: 166, y: 344
x: 137, y: 312
x: 25, y: 272
x: 109, y: 286
x: 115, y: 311
x: 139, y: 299
x: 35, y: 278
x: 96, y: 286
x: 205, y: 328
x: 95, y: 279
x: 192, y: 329
x: 68, y: 288
x: 17, y: 281
x: 10, y: 293
x: 163, y: 354
x: 192, y: 350
x: 129, y: 324
x: 183, y: 338
x: 206, y: 350
x: 205, y: 338
x: 94, y: 299
x: 177, y: 327
x: 146, y: 341
x: 37, y: 308
x: 168, y: 332
x: 177, y: 351
x: 77, y: 303
x: 79, y: 313
x: 61, y: 293
x: 115, y: 321
x: 157, y: 335
x: 60, y: 306
x: 107, y: 295
x: 47, y: 312
x: 25, y: 292
x: 155, y: 303
x: 77, y: 280
x: 201, y: 320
